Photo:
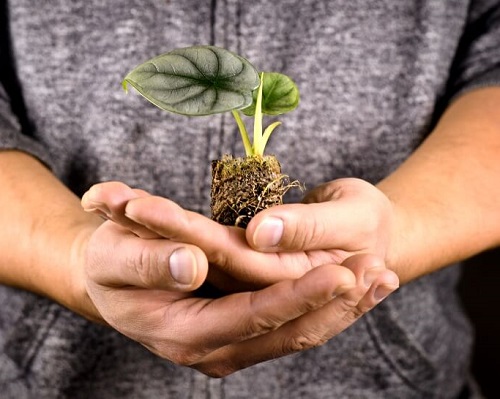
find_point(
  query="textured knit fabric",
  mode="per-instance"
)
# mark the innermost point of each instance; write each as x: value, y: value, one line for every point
x: 374, y: 78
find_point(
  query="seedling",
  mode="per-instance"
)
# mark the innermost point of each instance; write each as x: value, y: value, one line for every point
x: 205, y: 80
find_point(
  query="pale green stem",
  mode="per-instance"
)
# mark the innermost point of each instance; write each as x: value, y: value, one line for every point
x: 258, y: 147
x: 244, y: 134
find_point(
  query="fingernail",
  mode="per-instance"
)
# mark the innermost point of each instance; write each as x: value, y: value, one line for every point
x: 382, y: 291
x: 182, y: 264
x: 268, y: 234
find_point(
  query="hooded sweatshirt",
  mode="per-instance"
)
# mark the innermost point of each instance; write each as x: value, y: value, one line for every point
x: 374, y: 78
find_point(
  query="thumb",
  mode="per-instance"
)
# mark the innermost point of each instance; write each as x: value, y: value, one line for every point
x: 348, y: 219
x: 117, y: 258
x: 293, y: 227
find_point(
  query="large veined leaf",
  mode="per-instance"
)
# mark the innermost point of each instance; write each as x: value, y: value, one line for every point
x: 279, y: 95
x: 198, y: 80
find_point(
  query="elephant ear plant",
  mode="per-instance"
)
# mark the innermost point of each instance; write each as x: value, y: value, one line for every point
x: 205, y: 80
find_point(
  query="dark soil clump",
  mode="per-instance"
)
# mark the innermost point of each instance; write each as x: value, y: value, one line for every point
x: 242, y: 187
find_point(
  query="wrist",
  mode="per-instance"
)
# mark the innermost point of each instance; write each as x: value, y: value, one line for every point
x: 394, y: 256
x: 415, y: 247
x: 76, y: 297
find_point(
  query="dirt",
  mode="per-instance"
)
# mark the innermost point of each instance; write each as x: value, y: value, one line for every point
x: 242, y: 187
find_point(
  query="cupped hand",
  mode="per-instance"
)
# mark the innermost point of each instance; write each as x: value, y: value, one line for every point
x: 130, y: 281
x: 335, y: 221
x: 339, y: 218
x: 128, y: 278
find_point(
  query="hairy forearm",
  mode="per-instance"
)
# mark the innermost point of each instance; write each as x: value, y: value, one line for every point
x: 447, y: 194
x: 42, y: 228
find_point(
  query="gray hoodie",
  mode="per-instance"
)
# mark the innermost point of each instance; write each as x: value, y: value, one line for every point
x: 374, y: 77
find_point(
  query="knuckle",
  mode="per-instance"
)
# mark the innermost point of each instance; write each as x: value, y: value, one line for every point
x: 305, y: 233
x: 363, y: 308
x: 183, y: 357
x: 348, y: 302
x: 318, y: 231
x: 354, y: 314
x: 259, y: 324
x: 351, y: 309
x: 145, y: 265
x: 176, y: 352
x: 217, y: 370
x: 218, y: 258
x: 303, y: 342
x: 297, y: 237
x: 214, y: 367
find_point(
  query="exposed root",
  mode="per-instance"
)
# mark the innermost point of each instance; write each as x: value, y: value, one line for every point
x: 242, y: 187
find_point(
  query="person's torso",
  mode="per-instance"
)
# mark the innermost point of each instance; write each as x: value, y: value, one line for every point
x: 370, y: 75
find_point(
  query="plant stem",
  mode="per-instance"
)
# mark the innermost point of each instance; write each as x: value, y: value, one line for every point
x: 260, y: 137
x: 258, y: 145
x: 244, y: 134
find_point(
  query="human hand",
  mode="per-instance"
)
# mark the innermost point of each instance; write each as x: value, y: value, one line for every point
x: 129, y: 284
x: 337, y: 220
x: 134, y: 296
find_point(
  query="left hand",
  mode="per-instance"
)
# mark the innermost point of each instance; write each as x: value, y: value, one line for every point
x: 337, y: 219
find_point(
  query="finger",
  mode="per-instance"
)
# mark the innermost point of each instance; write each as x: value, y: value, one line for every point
x: 309, y: 330
x: 109, y: 199
x: 224, y: 246
x: 117, y: 258
x: 347, y: 219
x: 242, y: 316
x: 374, y: 282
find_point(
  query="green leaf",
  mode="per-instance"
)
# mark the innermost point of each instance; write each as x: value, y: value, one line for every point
x: 198, y: 80
x: 279, y: 95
